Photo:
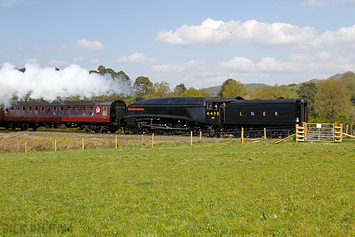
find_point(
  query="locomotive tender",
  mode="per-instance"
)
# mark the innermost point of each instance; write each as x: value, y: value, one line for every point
x: 174, y: 115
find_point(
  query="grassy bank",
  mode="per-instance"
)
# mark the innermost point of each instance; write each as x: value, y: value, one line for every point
x: 211, y: 188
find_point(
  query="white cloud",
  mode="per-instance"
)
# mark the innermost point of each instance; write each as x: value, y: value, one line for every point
x: 137, y: 58
x: 179, y: 67
x: 80, y: 45
x: 212, y: 32
x: 58, y: 63
x: 88, y: 45
x: 275, y: 35
x: 95, y: 61
x: 296, y: 68
x: 32, y: 60
x: 79, y: 59
x: 238, y: 63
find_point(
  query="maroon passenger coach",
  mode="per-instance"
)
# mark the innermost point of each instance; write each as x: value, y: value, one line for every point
x: 88, y: 115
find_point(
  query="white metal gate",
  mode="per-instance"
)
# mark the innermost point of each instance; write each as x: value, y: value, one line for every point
x: 319, y: 132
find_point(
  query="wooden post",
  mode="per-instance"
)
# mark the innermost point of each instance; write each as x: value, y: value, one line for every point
x: 152, y: 139
x: 25, y: 147
x: 116, y: 141
x: 82, y: 143
x: 55, y: 144
x: 243, y: 135
x: 347, y: 129
x: 200, y: 135
x: 265, y: 137
x: 191, y: 138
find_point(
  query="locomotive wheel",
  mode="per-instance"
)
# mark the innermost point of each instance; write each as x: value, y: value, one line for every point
x: 125, y: 130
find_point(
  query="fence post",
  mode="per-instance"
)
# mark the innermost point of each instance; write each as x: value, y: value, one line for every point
x: 338, y: 132
x: 82, y: 143
x: 242, y: 135
x: 200, y: 135
x: 152, y: 139
x: 300, y: 133
x: 25, y: 147
x: 116, y: 141
x: 265, y: 137
x: 55, y: 144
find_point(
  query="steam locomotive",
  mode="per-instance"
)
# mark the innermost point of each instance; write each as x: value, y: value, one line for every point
x: 173, y: 115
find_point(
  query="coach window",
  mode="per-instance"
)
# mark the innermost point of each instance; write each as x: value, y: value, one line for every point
x: 104, y: 111
x: 35, y: 111
x: 83, y: 111
x: 97, y: 110
x: 54, y: 111
x: 68, y: 111
x: 75, y: 111
x: 41, y: 112
x: 91, y: 111
x: 17, y: 110
x: 61, y: 110
x: 29, y: 111
x: 23, y: 111
x: 48, y: 111
x: 12, y: 111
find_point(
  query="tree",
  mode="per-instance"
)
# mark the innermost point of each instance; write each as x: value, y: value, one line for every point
x: 272, y: 93
x: 308, y: 91
x: 142, y: 86
x: 182, y: 87
x: 178, y: 91
x: 191, y: 92
x: 204, y: 92
x: 332, y: 98
x: 348, y: 79
x: 159, y: 90
x: 115, y: 75
x: 234, y: 89
x: 225, y: 83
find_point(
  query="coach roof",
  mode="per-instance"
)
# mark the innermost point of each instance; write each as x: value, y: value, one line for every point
x: 65, y: 103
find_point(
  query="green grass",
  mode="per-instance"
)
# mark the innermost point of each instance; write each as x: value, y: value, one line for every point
x: 219, y: 188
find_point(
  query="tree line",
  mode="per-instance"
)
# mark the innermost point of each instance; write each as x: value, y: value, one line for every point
x: 331, y: 100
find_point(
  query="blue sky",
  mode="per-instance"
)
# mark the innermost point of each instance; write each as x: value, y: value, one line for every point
x: 198, y: 43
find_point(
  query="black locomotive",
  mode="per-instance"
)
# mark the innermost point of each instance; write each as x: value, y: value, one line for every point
x: 214, y: 115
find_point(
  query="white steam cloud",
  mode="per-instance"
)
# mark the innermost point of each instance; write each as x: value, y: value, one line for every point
x: 50, y: 84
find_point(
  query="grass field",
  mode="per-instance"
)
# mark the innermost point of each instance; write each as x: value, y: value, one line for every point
x: 219, y: 188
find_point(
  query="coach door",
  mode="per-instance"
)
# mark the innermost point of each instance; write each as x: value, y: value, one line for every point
x: 213, y: 112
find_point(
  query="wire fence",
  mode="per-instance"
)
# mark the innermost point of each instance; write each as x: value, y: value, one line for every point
x: 35, y: 141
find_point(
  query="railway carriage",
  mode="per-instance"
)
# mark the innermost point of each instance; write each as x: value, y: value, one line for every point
x: 89, y: 115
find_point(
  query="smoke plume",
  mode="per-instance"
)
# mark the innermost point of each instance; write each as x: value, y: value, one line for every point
x: 50, y: 84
